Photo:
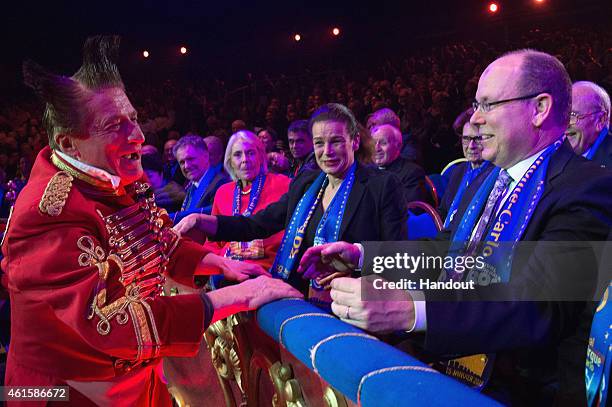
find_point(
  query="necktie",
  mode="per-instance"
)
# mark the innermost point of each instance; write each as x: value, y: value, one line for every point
x: 503, y: 180
x: 187, y: 200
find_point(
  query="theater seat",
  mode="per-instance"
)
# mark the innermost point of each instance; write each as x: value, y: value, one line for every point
x: 449, y: 167
x: 436, y: 184
x: 423, y: 221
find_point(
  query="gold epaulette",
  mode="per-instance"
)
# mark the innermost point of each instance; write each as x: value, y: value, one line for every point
x: 56, y: 193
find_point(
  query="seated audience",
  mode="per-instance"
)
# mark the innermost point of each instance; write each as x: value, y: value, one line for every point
x: 252, y: 190
x: 300, y: 146
x: 388, y: 143
x: 192, y: 155
x: 523, y: 102
x: 172, y: 169
x: 589, y: 124
x: 463, y: 173
x: 168, y: 194
x: 215, y: 150
x: 343, y: 200
x: 408, y: 150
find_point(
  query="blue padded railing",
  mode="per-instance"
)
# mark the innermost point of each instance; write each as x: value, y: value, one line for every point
x: 363, y: 368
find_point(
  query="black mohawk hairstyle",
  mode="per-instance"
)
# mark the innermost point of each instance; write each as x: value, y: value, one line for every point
x: 65, y: 96
x: 99, y: 67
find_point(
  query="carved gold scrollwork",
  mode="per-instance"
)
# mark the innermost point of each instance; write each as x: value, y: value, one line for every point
x: 333, y: 398
x: 223, y: 350
x: 287, y: 388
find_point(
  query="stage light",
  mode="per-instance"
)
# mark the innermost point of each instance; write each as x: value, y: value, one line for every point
x: 336, y: 31
x: 493, y: 7
x: 539, y: 1
x: 145, y: 54
x: 183, y: 50
x: 297, y: 37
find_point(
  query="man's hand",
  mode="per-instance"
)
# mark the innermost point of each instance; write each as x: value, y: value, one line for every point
x: 326, y: 262
x: 234, y: 270
x: 195, y: 222
x: 396, y: 314
x: 250, y: 295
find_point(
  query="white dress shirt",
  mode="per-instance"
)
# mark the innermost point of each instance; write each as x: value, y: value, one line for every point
x: 516, y: 172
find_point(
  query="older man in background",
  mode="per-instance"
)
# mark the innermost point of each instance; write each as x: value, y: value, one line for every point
x: 588, y: 131
x: 463, y: 174
x: 540, y: 191
x: 388, y: 145
x: 204, y: 179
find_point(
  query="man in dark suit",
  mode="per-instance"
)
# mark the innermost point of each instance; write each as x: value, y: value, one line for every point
x: 388, y: 145
x: 463, y: 174
x: 204, y: 180
x: 300, y: 145
x: 588, y: 131
x: 521, y: 110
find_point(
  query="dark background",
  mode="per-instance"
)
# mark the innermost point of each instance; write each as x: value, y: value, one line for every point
x: 229, y: 39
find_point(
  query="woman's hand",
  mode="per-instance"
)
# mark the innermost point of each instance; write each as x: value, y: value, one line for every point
x: 329, y: 261
x: 234, y: 270
x: 196, y: 222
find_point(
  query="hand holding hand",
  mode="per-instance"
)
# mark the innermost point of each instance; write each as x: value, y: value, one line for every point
x: 326, y: 262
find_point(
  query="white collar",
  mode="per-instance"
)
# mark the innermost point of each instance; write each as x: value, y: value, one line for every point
x: 90, y: 170
x: 197, y: 184
x: 520, y: 168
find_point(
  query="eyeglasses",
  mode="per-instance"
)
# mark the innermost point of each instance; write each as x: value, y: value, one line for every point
x: 476, y: 139
x: 574, y: 117
x: 486, y: 107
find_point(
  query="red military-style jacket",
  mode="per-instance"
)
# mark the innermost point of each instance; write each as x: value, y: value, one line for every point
x: 85, y: 265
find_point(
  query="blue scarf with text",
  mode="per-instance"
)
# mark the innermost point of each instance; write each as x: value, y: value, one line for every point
x: 328, y: 229
x: 509, y: 223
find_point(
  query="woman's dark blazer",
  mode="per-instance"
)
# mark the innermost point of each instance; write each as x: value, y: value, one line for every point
x: 374, y: 211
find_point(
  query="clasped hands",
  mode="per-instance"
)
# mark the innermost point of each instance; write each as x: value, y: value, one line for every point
x: 329, y: 264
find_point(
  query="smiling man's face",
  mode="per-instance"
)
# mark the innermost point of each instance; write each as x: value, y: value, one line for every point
x: 113, y: 139
x: 592, y: 118
x: 508, y: 124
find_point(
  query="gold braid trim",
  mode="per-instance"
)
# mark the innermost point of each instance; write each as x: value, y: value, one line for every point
x: 91, y: 254
x: 131, y: 305
x: 56, y: 193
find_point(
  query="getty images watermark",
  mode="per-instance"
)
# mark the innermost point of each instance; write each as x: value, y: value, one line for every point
x: 504, y: 271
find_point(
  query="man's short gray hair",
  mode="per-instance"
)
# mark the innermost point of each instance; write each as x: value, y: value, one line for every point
x: 603, y: 99
x: 189, y: 140
x: 397, y: 135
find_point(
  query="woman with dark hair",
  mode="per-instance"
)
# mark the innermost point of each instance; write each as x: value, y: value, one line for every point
x: 343, y: 200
